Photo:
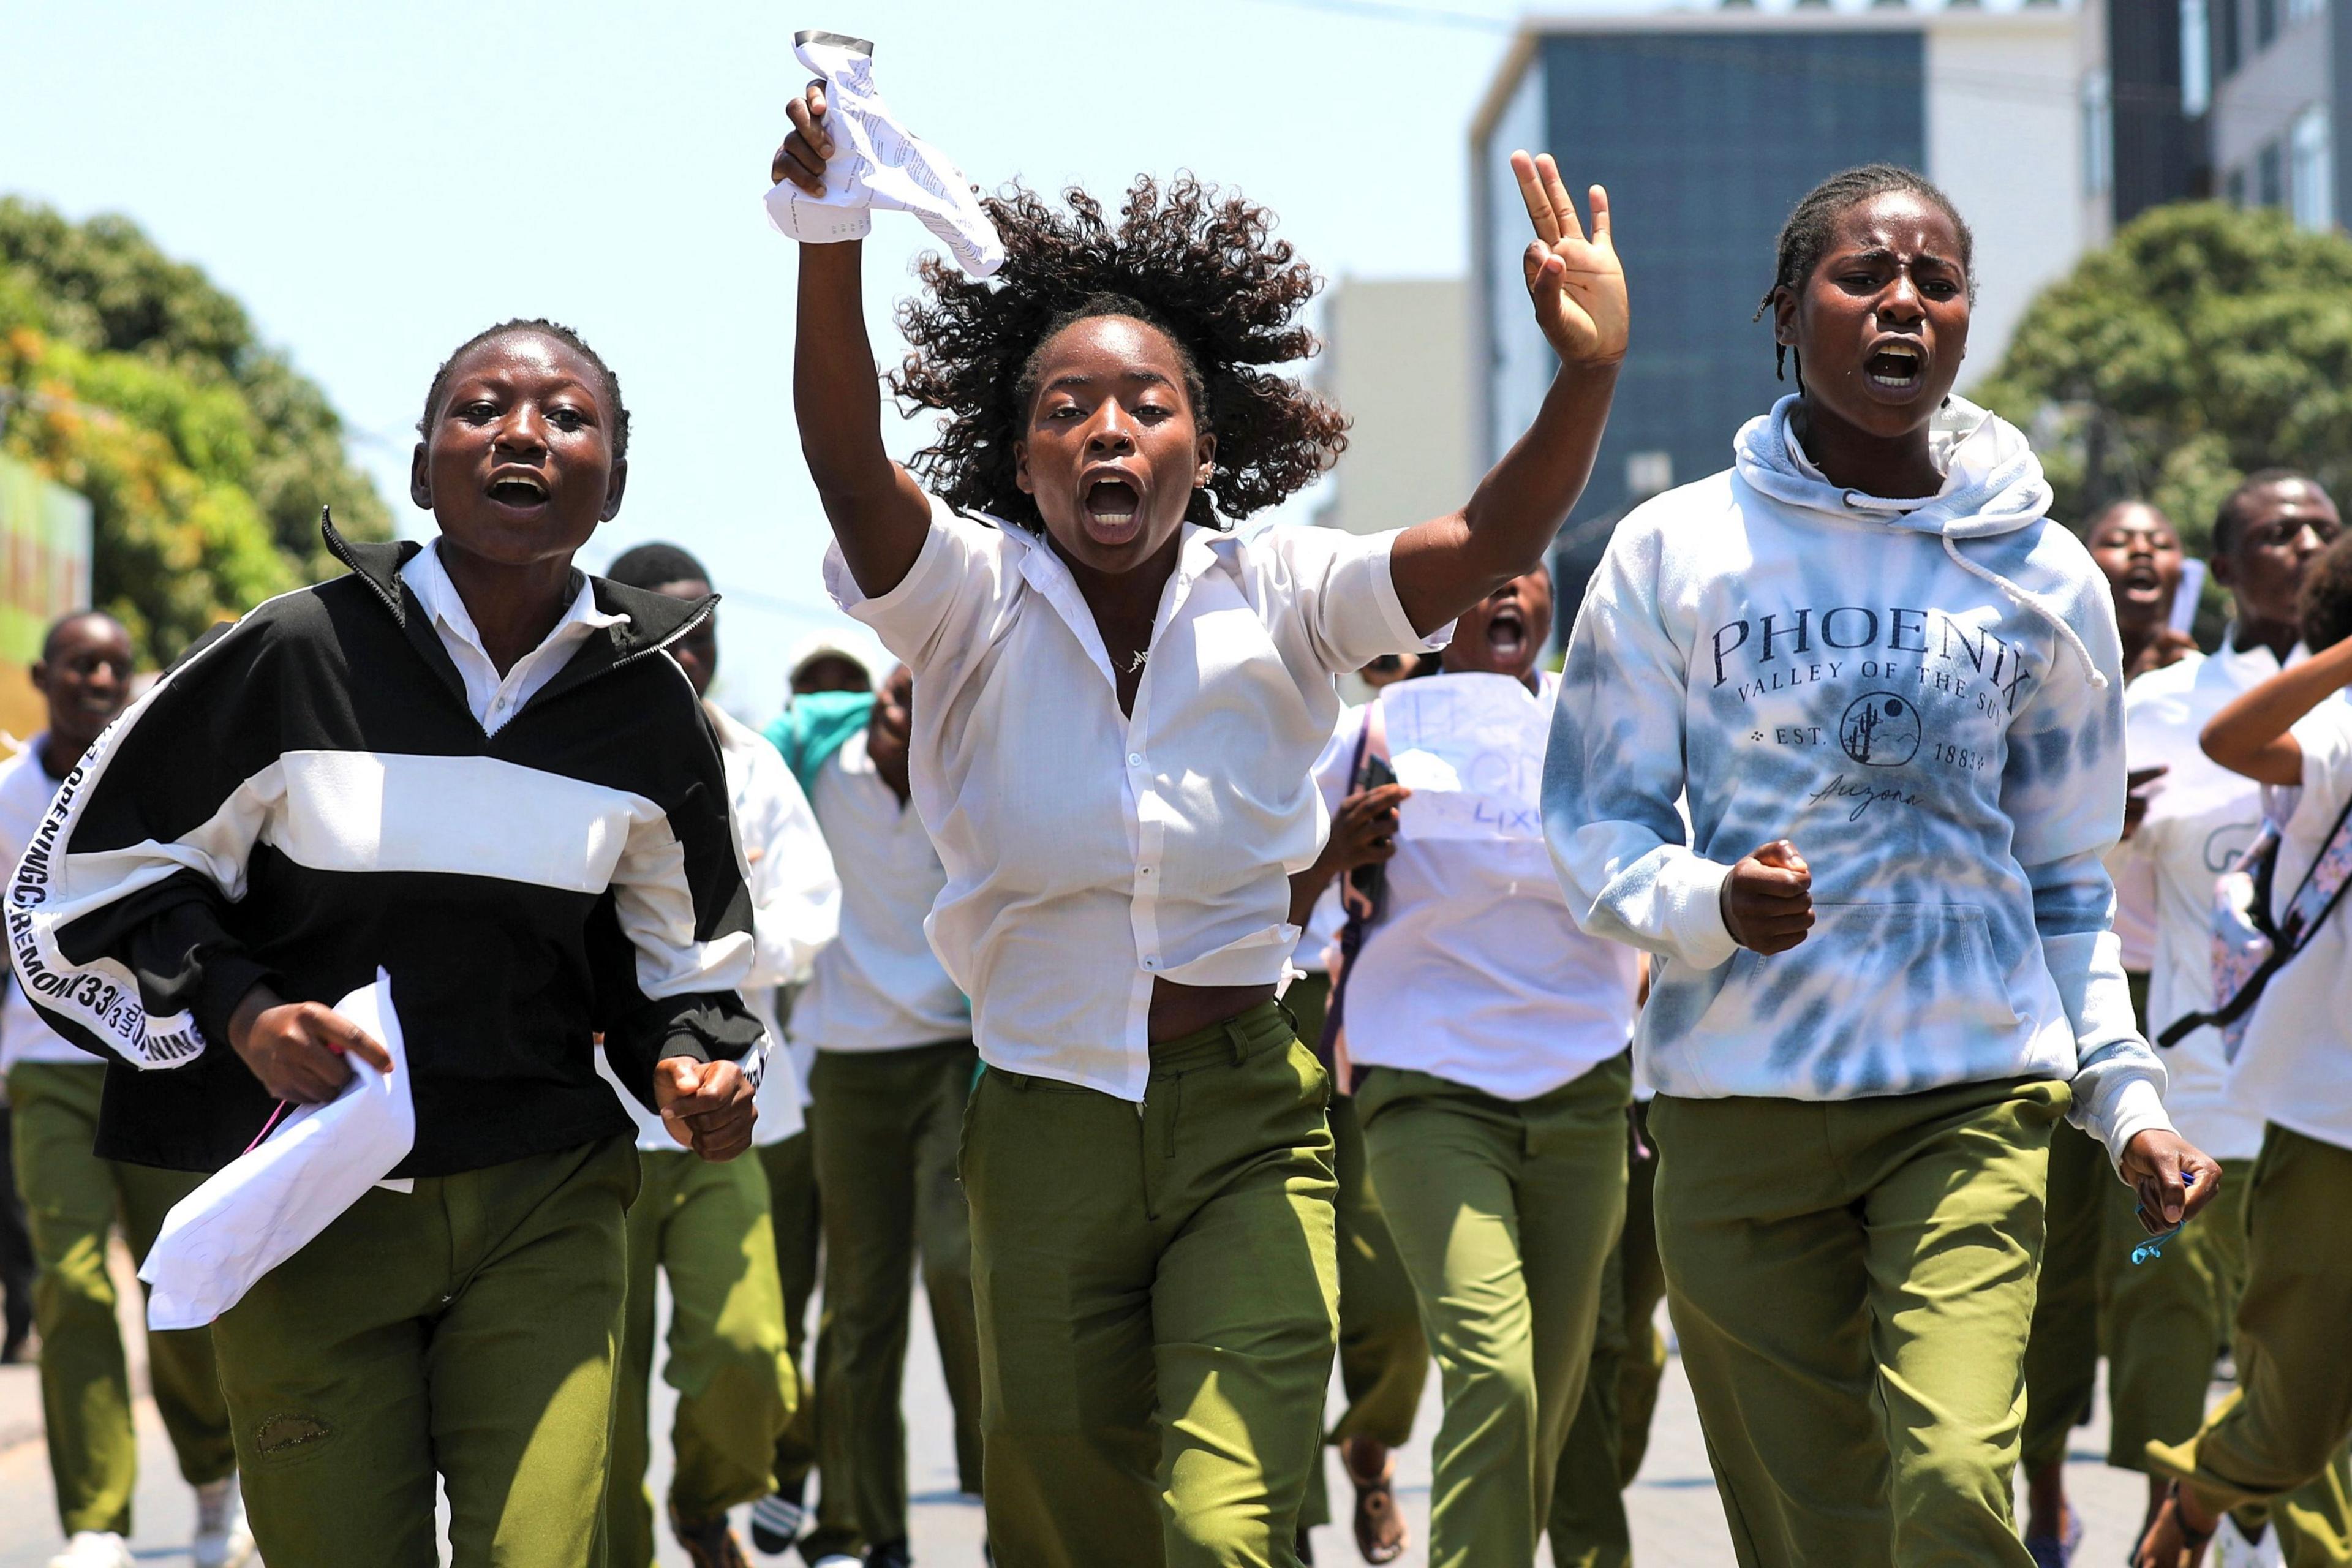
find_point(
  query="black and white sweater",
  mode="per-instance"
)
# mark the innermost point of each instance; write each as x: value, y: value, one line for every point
x: 307, y: 797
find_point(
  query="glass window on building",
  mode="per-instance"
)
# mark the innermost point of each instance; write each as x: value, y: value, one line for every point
x: 2311, y: 169
x: 2266, y: 23
x: 2195, y: 58
x: 2227, y: 50
x: 2302, y: 10
x: 2099, y: 133
x: 2270, y: 176
x: 2234, y: 187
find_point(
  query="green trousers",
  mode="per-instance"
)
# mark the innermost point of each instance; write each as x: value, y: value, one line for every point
x: 1384, y: 1358
x: 1504, y: 1213
x: 2062, y: 1349
x: 2287, y: 1427
x: 467, y: 1327
x: 706, y: 1225
x: 1852, y: 1282
x: 1157, y: 1296
x: 886, y: 1125
x: 1610, y: 1433
x: 72, y: 1199
x: 795, y: 1218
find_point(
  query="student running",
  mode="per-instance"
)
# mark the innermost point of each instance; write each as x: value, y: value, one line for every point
x: 2163, y: 1327
x: 1115, y: 709
x: 74, y: 1198
x: 707, y: 1226
x: 1383, y: 1355
x: 2279, y: 1440
x: 1892, y: 692
x: 469, y: 764
x: 1490, y: 1034
x: 893, y: 1068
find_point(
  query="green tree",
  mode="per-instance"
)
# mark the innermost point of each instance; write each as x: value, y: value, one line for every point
x: 205, y: 455
x: 2205, y: 342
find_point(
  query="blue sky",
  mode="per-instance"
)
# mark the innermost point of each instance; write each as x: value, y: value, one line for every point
x: 375, y: 184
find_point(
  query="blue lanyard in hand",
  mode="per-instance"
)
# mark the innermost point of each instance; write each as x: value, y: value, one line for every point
x: 2154, y: 1246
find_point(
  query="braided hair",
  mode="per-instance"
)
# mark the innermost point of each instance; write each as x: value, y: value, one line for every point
x: 1199, y: 264
x: 540, y: 327
x: 1812, y: 224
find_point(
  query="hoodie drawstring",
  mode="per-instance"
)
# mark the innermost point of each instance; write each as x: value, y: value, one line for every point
x: 1952, y: 548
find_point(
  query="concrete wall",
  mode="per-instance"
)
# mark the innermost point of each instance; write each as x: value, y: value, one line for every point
x: 2005, y: 141
x: 1398, y: 358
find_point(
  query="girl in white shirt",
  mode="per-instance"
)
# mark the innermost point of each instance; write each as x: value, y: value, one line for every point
x: 1493, y: 1035
x: 1117, y: 709
x: 2292, y: 1416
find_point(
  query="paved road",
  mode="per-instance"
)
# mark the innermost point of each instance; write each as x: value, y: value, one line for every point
x: 1677, y: 1521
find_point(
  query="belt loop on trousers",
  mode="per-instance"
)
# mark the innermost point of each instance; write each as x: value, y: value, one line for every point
x: 1237, y: 1039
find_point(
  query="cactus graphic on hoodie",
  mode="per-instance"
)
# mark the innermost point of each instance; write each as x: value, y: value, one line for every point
x: 1926, y: 697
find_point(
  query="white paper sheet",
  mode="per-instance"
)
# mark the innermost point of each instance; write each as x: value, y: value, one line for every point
x: 2184, y: 601
x: 877, y: 162
x: 1471, y: 750
x: 265, y: 1205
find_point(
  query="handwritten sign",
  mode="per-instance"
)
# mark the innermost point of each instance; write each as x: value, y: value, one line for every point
x: 1471, y: 748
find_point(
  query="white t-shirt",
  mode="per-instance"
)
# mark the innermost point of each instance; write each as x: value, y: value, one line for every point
x: 795, y: 909
x: 1476, y: 972
x: 880, y: 987
x: 25, y: 791
x: 2200, y: 818
x: 2295, y: 1065
x: 1089, y: 852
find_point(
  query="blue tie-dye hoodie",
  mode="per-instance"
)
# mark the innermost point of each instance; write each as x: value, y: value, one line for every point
x: 1927, y: 698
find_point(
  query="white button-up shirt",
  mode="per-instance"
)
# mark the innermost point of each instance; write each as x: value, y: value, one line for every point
x: 880, y: 988
x: 1089, y: 852
x: 496, y: 698
x: 25, y: 791
x: 1476, y: 970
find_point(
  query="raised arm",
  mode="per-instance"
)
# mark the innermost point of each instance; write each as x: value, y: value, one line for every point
x: 878, y: 511
x: 2251, y: 736
x: 1444, y: 566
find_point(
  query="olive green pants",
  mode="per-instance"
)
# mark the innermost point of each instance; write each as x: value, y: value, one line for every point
x: 1158, y: 1297
x: 1611, y: 1434
x: 1504, y: 1213
x: 2061, y: 1351
x: 793, y: 1214
x: 2286, y: 1426
x: 886, y: 1125
x: 1383, y: 1360
x: 72, y: 1199
x: 1851, y: 1283
x: 706, y: 1225
x: 467, y: 1327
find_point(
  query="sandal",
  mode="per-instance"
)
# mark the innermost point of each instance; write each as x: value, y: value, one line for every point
x: 1381, y: 1532
x: 2189, y: 1552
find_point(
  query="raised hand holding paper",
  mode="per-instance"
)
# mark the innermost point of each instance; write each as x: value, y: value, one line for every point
x: 877, y: 162
x: 265, y: 1205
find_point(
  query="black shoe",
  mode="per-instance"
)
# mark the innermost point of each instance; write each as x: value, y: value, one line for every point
x: 709, y: 1542
x: 778, y: 1519
x: 890, y: 1555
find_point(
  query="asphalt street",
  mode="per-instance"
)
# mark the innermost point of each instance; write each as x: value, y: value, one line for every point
x: 1677, y: 1523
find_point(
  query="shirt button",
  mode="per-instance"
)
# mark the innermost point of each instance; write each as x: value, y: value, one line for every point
x: 1135, y: 759
x: 1143, y: 872
x: 1150, y: 964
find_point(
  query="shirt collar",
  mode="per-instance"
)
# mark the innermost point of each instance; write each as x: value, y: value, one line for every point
x: 1049, y: 574
x: 429, y: 581
x: 2254, y: 664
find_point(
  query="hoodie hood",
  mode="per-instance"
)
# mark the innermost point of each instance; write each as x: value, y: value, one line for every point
x: 1994, y: 490
x: 1992, y: 480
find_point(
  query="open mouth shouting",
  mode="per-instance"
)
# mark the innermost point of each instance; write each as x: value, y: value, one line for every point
x: 517, y: 490
x: 1112, y: 502
x: 1506, y: 634
x: 1899, y: 367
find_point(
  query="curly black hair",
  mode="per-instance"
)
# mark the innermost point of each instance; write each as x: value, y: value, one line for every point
x: 1812, y: 223
x: 538, y: 326
x: 1199, y: 265
x: 2326, y: 601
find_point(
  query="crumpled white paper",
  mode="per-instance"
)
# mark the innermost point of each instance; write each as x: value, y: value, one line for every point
x: 265, y: 1205
x: 877, y: 162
